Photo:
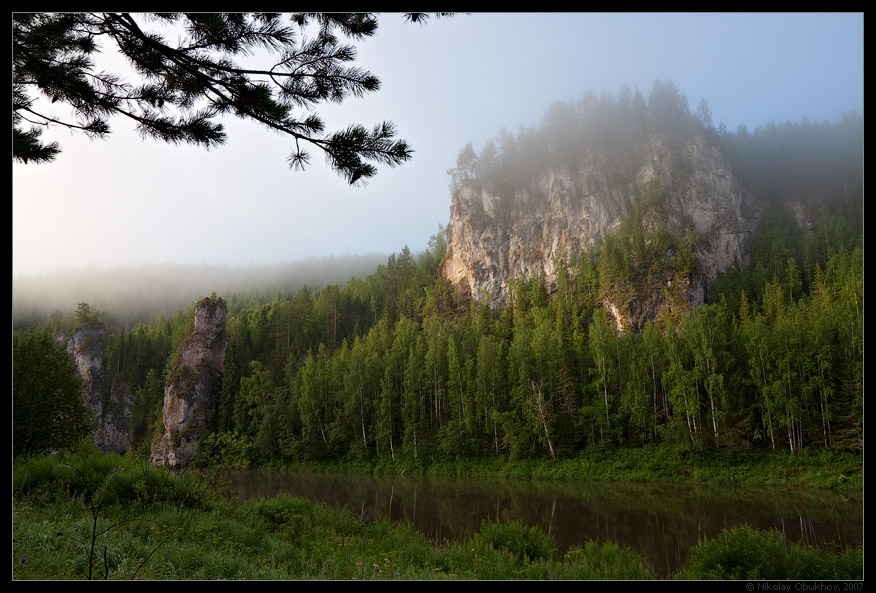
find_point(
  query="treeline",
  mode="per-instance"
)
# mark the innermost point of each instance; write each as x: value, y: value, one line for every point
x: 806, y: 162
x: 394, y: 366
x: 265, y: 335
x: 551, y: 376
x: 398, y: 366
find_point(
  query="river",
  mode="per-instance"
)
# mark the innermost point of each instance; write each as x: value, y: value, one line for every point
x: 660, y: 521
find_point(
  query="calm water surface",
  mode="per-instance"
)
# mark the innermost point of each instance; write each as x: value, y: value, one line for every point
x: 660, y: 521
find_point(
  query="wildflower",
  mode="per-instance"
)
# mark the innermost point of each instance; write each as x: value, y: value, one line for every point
x: 22, y: 560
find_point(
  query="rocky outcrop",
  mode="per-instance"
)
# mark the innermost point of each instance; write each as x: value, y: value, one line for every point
x: 492, y: 239
x: 190, y: 392
x: 112, y: 407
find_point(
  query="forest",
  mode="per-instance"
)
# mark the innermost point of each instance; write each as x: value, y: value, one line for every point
x: 397, y: 366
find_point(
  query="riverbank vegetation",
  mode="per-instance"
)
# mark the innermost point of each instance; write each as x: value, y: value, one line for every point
x: 90, y: 515
x: 812, y: 467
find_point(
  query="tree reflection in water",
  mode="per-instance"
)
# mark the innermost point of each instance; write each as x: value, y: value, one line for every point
x: 660, y: 521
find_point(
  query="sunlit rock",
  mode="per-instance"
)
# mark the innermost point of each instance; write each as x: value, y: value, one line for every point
x: 493, y: 238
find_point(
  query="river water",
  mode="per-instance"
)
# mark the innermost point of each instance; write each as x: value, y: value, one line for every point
x: 660, y: 521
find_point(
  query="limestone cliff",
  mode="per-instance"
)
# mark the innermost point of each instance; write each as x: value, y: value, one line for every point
x: 191, y: 388
x: 493, y: 238
x: 112, y: 408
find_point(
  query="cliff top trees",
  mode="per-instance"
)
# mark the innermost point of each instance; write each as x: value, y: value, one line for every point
x: 617, y: 128
x: 184, y: 86
x: 83, y: 315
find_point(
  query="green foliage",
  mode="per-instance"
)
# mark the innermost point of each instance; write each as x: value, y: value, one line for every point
x: 104, y: 479
x: 99, y: 479
x: 47, y: 406
x: 550, y: 375
x: 83, y: 315
x: 594, y: 561
x: 371, y: 372
x: 744, y: 553
x: 287, y: 516
x: 145, y: 421
x: 649, y: 261
x: 225, y: 449
x: 110, y: 512
x: 524, y: 543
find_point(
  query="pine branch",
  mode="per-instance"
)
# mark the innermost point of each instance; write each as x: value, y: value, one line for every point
x: 185, y: 86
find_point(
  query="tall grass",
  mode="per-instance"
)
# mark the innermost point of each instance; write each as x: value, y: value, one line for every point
x: 655, y: 463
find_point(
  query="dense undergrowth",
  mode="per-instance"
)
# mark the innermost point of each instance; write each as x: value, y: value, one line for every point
x: 656, y: 463
x: 89, y: 515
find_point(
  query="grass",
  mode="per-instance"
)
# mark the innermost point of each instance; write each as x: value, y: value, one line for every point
x: 84, y: 514
x: 655, y: 463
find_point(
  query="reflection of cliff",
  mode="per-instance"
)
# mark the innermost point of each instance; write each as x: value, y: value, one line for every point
x: 493, y: 239
x: 112, y: 410
x: 191, y: 389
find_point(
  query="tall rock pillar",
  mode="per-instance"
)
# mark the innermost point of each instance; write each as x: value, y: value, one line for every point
x: 191, y: 390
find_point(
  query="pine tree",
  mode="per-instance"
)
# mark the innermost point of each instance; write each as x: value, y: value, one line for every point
x: 48, y: 412
x: 184, y: 87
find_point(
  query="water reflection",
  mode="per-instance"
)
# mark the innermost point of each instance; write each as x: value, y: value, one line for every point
x: 661, y: 522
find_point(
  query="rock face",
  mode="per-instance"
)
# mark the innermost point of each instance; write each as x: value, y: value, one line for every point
x: 112, y: 411
x: 191, y: 390
x: 492, y: 239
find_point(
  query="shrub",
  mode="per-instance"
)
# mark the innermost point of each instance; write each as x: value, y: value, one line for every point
x: 745, y: 553
x: 603, y: 561
x: 525, y: 543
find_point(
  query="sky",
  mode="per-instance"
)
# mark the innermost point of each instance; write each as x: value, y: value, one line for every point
x: 127, y: 201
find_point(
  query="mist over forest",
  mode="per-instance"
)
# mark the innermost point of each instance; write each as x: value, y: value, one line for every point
x: 131, y: 294
x: 812, y: 163
x: 384, y: 358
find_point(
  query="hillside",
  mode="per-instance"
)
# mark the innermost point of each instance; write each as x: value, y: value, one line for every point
x: 624, y: 275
